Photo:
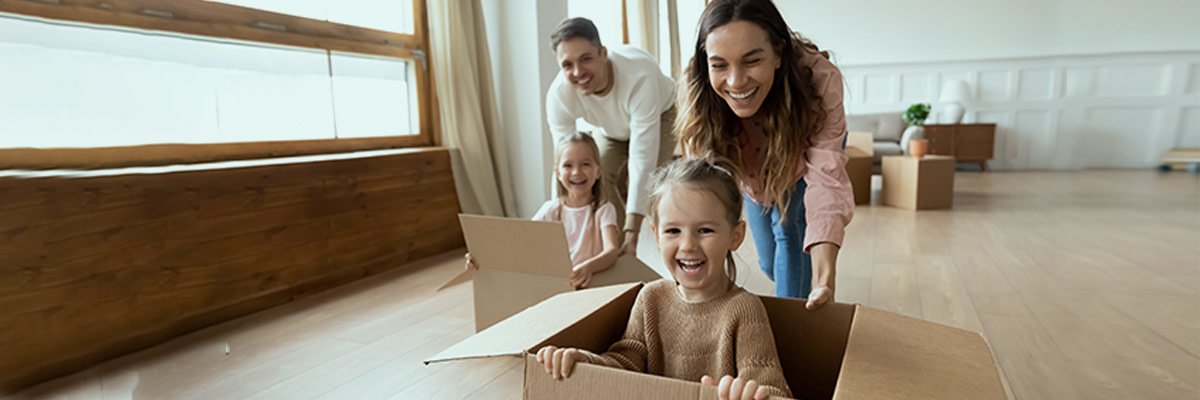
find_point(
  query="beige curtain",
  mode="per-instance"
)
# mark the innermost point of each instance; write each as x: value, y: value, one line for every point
x: 470, y: 125
x: 644, y: 27
x: 642, y: 16
x: 673, y: 38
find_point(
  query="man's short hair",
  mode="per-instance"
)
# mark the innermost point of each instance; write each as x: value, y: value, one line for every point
x: 571, y: 28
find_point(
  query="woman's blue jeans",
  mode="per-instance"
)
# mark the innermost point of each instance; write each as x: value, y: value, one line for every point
x: 780, y: 244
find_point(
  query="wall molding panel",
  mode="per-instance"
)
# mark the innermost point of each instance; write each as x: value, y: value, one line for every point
x: 1064, y: 112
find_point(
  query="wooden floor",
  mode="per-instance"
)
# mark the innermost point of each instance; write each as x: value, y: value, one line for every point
x: 1086, y: 285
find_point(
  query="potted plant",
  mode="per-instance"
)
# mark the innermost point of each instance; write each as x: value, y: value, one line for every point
x: 916, y: 114
x: 914, y: 136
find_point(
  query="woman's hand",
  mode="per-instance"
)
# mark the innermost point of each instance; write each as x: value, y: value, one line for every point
x: 730, y: 388
x: 824, y: 261
x: 471, y: 264
x: 630, y: 244
x: 818, y: 297
x: 633, y: 225
x: 559, y: 362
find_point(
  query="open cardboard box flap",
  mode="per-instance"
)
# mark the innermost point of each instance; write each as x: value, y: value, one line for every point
x: 529, y: 328
x: 503, y: 244
x: 523, y: 262
x: 897, y: 357
x: 841, y: 351
x: 627, y: 269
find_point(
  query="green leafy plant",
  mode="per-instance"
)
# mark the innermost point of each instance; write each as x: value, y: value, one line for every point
x: 916, y: 114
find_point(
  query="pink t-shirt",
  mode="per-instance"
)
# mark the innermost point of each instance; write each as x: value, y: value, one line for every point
x: 582, y: 226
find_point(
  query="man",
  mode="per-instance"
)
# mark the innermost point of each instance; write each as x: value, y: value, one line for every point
x: 624, y: 93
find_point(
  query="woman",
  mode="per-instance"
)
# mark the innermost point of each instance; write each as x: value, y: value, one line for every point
x: 763, y: 96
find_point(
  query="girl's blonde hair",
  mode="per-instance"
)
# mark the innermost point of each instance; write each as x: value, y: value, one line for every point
x: 715, y: 176
x: 792, y: 106
x: 599, y: 193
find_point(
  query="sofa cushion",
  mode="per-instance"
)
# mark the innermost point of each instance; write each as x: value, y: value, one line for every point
x: 887, y: 127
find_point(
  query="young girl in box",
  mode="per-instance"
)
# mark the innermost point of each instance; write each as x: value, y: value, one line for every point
x: 700, y: 326
x: 589, y: 219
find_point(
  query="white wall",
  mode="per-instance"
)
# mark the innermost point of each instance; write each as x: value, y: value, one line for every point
x: 1110, y: 111
x: 868, y: 32
x: 1071, y: 84
x: 523, y: 66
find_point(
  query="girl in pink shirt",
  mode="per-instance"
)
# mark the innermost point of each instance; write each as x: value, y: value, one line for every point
x: 761, y: 95
x: 589, y: 219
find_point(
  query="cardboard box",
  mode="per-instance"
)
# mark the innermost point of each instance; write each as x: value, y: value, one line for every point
x: 918, y: 183
x: 523, y: 262
x: 864, y: 141
x: 859, y: 170
x: 841, y: 351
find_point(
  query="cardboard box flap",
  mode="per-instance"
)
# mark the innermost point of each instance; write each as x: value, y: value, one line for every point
x: 628, y: 269
x: 517, y: 245
x: 897, y: 357
x: 460, y: 278
x: 534, y: 325
x: 854, y: 152
x: 810, y: 343
x: 862, y: 141
x: 502, y: 294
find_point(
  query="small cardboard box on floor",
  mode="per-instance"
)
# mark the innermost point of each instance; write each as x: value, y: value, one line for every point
x: 918, y: 183
x: 841, y: 351
x: 523, y: 262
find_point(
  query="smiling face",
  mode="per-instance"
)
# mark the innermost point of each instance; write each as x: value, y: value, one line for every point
x: 577, y: 170
x: 741, y: 65
x: 584, y: 64
x: 694, y: 235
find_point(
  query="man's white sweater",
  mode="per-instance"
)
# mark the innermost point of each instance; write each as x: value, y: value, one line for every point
x: 630, y: 111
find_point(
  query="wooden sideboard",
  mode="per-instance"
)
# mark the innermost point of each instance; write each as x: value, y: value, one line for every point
x: 966, y: 142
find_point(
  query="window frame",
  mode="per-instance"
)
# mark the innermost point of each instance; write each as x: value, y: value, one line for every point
x: 227, y: 21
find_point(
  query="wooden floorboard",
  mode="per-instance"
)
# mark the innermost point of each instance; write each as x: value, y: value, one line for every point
x: 1085, y: 284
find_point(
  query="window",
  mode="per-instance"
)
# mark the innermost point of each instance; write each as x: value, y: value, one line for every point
x: 616, y: 20
x: 145, y: 72
x: 384, y: 15
x: 605, y: 14
x: 688, y: 18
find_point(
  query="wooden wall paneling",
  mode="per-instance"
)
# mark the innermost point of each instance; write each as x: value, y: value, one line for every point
x: 171, y: 154
x: 111, y: 264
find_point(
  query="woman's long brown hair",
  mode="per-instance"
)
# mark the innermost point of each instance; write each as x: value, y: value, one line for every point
x: 792, y: 109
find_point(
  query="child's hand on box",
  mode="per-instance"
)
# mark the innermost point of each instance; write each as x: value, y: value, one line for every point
x: 471, y: 264
x: 580, y: 277
x: 559, y: 362
x: 730, y: 388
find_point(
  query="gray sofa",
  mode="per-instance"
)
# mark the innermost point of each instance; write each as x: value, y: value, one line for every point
x: 888, y: 129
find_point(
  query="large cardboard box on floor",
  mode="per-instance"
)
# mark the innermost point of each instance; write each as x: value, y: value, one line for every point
x: 841, y: 351
x: 523, y: 262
